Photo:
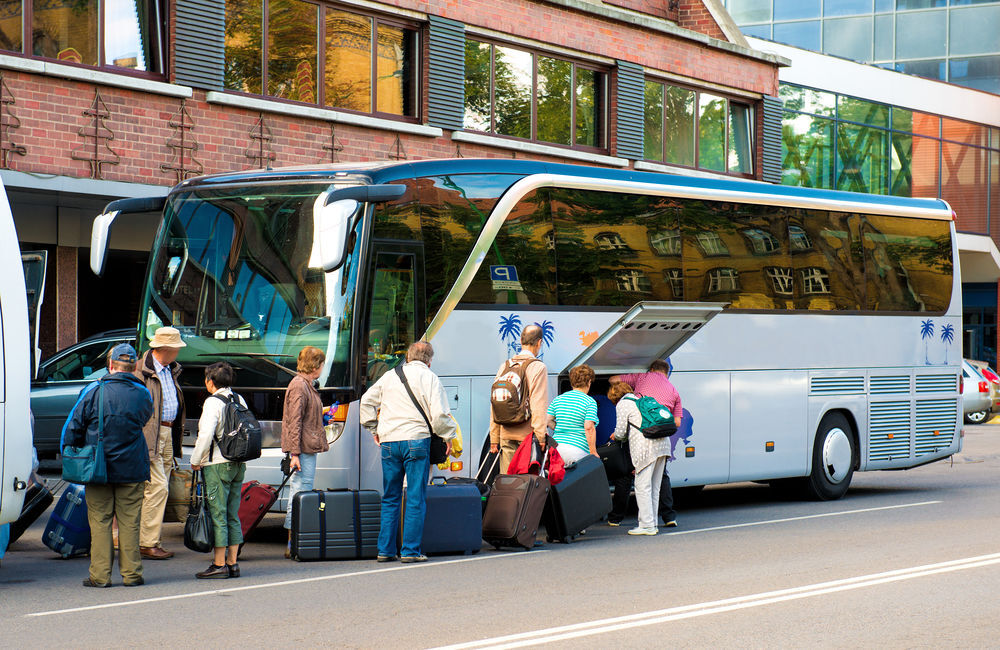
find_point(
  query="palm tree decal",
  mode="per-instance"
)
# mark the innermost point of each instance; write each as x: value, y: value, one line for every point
x: 926, y: 332
x: 548, y: 333
x: 947, y: 335
x: 510, y: 328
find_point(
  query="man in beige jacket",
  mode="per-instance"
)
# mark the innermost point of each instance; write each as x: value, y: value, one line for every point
x: 158, y: 370
x: 507, y: 438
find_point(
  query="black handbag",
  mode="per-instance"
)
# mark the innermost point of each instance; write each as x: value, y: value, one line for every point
x: 199, y: 532
x: 439, y: 448
x: 617, y: 459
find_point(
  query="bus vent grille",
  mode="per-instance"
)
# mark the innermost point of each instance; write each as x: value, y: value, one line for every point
x: 936, y: 423
x: 889, y: 431
x: 937, y: 383
x: 890, y: 384
x: 837, y: 386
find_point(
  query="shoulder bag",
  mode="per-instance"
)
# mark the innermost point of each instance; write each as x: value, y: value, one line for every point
x: 87, y: 464
x: 199, y: 532
x: 439, y: 448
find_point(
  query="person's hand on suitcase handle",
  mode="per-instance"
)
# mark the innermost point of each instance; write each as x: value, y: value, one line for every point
x: 295, y: 465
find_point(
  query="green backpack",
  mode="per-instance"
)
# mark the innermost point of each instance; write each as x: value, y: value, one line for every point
x: 657, y: 420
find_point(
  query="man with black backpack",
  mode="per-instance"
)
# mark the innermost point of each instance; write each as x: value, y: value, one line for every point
x: 519, y: 398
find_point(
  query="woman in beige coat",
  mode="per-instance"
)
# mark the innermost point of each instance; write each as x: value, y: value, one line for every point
x: 302, y: 434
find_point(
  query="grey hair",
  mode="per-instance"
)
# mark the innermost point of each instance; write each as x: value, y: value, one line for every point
x: 420, y: 351
x: 531, y: 334
x: 122, y: 366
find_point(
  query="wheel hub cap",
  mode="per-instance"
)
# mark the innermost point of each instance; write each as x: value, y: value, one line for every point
x: 836, y: 455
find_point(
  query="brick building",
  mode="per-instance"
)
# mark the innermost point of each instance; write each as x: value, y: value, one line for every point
x: 103, y: 100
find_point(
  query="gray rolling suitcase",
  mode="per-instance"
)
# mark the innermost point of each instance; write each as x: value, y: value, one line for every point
x: 335, y: 525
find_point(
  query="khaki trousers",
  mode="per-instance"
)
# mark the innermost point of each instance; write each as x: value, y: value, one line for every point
x: 507, y: 449
x: 155, y: 498
x: 104, y: 503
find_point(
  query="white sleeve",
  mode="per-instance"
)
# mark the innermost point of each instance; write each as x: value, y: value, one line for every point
x: 207, y: 425
x: 440, y: 415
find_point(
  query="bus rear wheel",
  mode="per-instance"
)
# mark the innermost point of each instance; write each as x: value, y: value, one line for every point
x: 833, y: 459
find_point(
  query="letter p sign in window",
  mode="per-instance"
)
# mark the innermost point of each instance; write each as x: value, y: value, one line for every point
x: 504, y: 278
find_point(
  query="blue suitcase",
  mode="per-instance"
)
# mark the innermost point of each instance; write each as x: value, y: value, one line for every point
x: 68, y: 530
x: 454, y: 519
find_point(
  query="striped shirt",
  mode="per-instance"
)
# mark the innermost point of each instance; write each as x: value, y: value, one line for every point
x: 168, y: 390
x: 571, y: 410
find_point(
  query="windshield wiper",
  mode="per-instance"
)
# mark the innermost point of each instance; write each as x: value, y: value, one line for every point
x: 262, y: 356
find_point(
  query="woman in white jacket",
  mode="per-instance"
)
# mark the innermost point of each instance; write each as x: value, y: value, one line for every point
x: 648, y: 456
x: 223, y: 478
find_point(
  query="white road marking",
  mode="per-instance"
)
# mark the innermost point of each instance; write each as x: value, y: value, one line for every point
x: 603, y: 626
x: 283, y: 583
x: 778, y: 521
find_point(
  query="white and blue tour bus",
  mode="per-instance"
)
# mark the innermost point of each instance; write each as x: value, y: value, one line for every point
x: 15, y: 371
x: 811, y: 333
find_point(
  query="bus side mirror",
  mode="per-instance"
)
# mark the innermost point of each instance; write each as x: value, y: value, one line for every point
x: 100, y: 235
x: 331, y: 229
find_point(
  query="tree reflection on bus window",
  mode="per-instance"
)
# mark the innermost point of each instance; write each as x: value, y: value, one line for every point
x: 907, y: 263
x: 831, y: 274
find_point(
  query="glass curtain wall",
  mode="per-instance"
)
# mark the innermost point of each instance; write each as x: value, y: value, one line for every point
x: 840, y: 142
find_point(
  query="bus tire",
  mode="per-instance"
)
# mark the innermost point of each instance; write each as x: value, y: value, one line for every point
x: 833, y: 459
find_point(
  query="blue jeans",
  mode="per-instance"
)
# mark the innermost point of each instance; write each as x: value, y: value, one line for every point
x: 301, y: 481
x: 410, y: 458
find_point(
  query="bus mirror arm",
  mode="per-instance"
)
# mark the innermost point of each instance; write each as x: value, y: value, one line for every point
x: 367, y: 193
x: 101, y: 233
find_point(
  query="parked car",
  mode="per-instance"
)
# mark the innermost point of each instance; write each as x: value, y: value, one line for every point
x: 975, y: 394
x: 60, y: 379
x: 991, y: 376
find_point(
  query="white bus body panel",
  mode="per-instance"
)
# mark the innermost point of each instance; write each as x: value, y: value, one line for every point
x: 15, y: 364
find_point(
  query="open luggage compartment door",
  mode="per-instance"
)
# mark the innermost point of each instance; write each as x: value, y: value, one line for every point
x: 648, y: 331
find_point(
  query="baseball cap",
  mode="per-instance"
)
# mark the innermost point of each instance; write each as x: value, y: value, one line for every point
x: 123, y: 352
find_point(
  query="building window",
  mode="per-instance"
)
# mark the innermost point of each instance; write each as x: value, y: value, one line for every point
x: 697, y: 129
x: 799, y: 239
x: 782, y: 282
x: 723, y: 280
x: 633, y: 281
x: 814, y: 280
x: 761, y: 241
x: 523, y: 94
x: 711, y: 244
x: 610, y: 241
x: 666, y: 242
x: 675, y: 279
x: 319, y: 54
x: 119, y: 34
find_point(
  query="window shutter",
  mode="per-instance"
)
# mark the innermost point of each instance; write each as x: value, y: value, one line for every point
x: 629, y: 129
x: 771, y: 139
x: 446, y: 97
x: 199, y: 50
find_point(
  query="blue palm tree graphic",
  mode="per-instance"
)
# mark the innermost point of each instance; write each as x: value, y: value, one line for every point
x: 510, y: 328
x: 926, y: 332
x: 947, y: 335
x: 548, y: 333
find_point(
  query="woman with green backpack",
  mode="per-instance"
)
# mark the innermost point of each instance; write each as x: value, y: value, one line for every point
x: 649, y: 455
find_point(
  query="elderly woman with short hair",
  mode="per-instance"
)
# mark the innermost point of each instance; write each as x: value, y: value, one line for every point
x: 302, y: 433
x: 573, y: 417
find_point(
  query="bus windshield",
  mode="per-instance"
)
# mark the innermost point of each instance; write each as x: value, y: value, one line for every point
x: 234, y: 270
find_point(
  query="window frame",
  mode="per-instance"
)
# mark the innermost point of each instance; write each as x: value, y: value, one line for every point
x: 376, y: 19
x: 602, y: 92
x: 778, y: 274
x: 717, y: 275
x: 811, y: 274
x: 669, y: 236
x: 162, y: 51
x: 751, y: 107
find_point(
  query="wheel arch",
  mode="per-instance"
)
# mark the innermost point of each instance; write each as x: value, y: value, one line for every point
x: 852, y: 420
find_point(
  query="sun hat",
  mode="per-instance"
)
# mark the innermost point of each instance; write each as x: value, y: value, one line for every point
x: 167, y: 337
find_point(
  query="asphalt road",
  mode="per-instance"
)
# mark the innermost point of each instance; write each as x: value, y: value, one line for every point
x: 907, y: 559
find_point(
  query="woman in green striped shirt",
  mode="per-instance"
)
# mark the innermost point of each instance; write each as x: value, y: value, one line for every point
x: 573, y: 417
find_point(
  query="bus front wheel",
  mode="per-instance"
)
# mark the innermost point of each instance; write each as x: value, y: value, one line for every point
x: 833, y: 459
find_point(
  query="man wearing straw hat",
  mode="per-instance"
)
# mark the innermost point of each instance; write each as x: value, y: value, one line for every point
x: 159, y: 370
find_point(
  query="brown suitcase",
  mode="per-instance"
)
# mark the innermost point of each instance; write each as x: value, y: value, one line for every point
x: 514, y: 510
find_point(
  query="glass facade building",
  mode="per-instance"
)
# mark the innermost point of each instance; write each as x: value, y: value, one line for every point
x: 949, y: 40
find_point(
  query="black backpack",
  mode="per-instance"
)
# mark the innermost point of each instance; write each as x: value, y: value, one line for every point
x: 241, y: 434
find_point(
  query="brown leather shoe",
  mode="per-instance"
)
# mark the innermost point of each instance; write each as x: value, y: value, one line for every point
x: 155, y: 553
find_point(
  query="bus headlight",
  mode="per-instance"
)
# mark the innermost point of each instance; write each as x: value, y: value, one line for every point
x: 333, y: 432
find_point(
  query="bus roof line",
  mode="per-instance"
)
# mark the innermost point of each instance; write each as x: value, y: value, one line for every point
x: 522, y: 187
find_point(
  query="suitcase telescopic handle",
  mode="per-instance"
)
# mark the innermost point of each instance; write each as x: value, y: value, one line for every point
x: 486, y: 460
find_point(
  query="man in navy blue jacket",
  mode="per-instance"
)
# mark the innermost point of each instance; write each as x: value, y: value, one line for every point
x: 127, y: 407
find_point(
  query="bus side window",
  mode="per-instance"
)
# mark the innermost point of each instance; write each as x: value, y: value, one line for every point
x: 393, y: 318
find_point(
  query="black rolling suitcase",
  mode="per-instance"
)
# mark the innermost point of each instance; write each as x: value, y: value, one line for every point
x: 335, y: 525
x: 36, y: 501
x: 581, y: 499
x: 514, y: 510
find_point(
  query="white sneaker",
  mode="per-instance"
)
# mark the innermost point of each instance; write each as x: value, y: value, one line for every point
x: 642, y: 531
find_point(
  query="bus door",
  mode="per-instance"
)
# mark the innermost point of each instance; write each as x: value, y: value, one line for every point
x: 655, y: 330
x: 396, y: 318
x: 34, y: 264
